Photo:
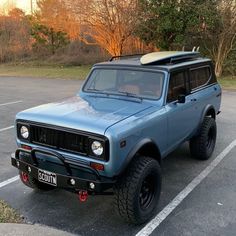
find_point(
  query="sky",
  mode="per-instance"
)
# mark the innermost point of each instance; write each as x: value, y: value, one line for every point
x: 23, y: 4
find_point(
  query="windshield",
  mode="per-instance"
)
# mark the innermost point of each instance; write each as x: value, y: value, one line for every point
x: 126, y: 82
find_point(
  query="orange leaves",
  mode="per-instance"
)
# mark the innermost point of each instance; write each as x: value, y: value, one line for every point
x: 109, y: 23
x: 55, y: 14
x: 15, y: 35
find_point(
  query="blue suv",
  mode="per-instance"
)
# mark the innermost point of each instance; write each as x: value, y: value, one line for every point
x: 111, y: 137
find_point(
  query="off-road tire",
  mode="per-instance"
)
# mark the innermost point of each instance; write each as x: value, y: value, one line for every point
x: 202, y: 146
x: 35, y: 184
x: 130, y: 188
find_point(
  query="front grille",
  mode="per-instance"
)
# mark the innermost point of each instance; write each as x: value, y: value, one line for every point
x: 59, y: 139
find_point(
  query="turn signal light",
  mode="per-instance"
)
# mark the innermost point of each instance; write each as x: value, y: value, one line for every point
x: 97, y: 166
x: 26, y: 147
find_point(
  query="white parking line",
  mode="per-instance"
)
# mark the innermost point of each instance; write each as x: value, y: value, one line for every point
x: 9, y: 103
x: 9, y: 181
x: 160, y: 217
x: 7, y: 128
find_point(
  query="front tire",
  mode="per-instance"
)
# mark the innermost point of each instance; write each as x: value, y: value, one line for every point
x: 137, y: 192
x: 203, y: 145
x: 33, y: 183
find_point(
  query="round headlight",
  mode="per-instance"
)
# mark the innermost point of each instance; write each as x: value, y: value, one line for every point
x: 97, y: 148
x: 24, y: 132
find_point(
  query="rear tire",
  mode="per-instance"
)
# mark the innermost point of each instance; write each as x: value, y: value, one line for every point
x: 137, y: 192
x: 202, y: 146
x: 33, y: 183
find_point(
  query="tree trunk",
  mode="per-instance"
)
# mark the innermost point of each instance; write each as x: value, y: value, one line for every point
x: 218, y: 68
x: 52, y: 41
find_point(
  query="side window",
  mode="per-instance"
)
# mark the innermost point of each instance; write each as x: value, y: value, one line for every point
x: 199, y: 77
x: 177, y: 86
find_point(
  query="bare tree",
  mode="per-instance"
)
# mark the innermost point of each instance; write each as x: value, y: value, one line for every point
x: 220, y: 42
x: 227, y: 36
x: 108, y: 23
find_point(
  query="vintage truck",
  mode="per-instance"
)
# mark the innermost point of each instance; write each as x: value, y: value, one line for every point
x: 111, y: 137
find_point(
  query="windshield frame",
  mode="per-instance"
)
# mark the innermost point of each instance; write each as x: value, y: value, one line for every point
x: 136, y: 96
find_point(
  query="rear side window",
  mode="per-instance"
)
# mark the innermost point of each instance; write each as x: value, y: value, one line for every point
x: 199, y: 77
x: 177, y: 86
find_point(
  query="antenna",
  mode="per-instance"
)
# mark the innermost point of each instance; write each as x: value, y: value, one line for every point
x: 31, y: 6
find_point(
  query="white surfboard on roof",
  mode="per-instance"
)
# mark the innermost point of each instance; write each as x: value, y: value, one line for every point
x: 156, y: 57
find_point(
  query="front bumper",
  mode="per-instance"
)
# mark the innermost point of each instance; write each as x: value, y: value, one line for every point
x: 63, y: 180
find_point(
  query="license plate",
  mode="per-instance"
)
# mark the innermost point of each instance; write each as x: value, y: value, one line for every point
x: 47, y: 177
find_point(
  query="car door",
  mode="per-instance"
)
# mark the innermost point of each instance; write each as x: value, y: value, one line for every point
x: 181, y: 116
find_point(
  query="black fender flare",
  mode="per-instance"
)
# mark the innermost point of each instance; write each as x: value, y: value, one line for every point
x: 136, y: 148
x: 204, y: 114
x: 205, y: 111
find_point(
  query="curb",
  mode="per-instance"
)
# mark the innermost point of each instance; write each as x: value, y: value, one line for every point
x: 8, y: 229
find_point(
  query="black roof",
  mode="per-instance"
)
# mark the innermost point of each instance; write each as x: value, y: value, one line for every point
x: 135, y: 62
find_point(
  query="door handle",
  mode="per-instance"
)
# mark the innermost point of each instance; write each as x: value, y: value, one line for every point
x: 193, y: 100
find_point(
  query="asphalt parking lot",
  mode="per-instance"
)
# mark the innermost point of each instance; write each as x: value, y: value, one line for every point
x: 210, y: 209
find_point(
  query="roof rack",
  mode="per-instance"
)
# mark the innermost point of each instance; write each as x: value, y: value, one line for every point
x: 125, y: 56
x: 168, y: 57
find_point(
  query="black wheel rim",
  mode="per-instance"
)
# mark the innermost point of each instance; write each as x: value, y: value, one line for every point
x: 147, y: 192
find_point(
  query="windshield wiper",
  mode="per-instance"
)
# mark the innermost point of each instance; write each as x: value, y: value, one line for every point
x: 98, y: 91
x: 133, y: 95
x: 110, y: 93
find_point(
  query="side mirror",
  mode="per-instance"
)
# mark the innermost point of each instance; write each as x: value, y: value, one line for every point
x: 181, y: 98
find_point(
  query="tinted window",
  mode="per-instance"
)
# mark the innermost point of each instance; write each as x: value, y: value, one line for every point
x: 199, y: 77
x: 177, y: 86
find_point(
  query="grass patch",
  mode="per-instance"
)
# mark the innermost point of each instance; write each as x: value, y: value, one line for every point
x: 47, y: 71
x: 8, y: 215
x: 228, y: 82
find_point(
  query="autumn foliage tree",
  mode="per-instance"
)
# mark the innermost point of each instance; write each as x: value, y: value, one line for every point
x: 56, y: 15
x: 107, y: 23
x: 119, y: 27
x: 50, y: 27
x: 15, y: 39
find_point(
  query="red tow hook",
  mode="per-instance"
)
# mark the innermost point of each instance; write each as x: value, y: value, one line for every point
x: 25, y: 177
x: 83, y: 195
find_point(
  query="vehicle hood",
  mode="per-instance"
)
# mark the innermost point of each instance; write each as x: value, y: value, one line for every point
x: 94, y: 114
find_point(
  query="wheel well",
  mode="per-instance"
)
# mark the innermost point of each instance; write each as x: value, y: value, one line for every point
x: 211, y: 112
x: 150, y: 150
